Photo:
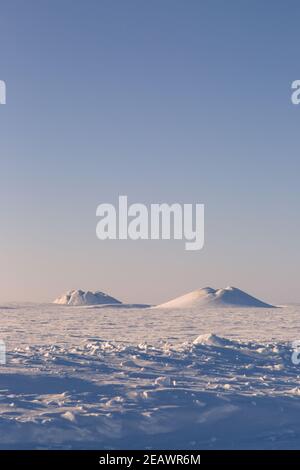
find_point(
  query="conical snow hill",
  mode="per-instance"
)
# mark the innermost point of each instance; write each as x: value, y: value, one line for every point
x: 228, y: 297
x: 80, y: 297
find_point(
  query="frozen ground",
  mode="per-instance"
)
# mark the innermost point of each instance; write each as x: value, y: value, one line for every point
x: 85, y: 377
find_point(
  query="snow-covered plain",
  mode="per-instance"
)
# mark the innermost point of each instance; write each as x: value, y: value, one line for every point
x: 105, y: 378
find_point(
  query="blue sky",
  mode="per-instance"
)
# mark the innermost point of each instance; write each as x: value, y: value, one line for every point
x: 164, y: 101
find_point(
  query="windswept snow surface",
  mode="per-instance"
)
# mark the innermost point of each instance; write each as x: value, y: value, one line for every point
x: 121, y: 378
x: 206, y: 296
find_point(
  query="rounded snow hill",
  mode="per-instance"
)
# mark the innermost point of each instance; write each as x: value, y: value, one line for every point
x: 228, y: 297
x: 80, y: 297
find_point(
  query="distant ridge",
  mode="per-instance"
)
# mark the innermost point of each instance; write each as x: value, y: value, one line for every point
x: 206, y: 296
x: 80, y: 297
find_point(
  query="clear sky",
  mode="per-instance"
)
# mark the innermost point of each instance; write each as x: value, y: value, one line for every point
x: 164, y: 101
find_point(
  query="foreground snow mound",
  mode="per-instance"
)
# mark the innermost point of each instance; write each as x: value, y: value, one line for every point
x: 80, y: 297
x: 212, y: 340
x: 228, y: 297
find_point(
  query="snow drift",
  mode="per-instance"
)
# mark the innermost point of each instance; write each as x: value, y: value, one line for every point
x: 210, y: 339
x: 80, y: 297
x: 228, y: 297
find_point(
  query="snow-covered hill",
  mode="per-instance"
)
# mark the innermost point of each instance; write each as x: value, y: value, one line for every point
x: 80, y: 297
x: 228, y: 297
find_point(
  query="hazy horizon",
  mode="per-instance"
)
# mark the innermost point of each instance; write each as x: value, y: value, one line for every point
x: 162, y: 102
x: 140, y: 301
